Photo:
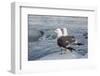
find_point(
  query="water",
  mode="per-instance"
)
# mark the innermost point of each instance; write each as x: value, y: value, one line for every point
x: 42, y: 38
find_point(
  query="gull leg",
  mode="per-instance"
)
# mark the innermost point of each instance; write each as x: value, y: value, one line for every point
x: 61, y: 51
x: 65, y: 51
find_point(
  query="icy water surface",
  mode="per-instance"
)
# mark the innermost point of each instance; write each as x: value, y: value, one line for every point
x: 42, y: 40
